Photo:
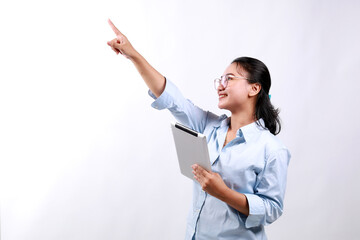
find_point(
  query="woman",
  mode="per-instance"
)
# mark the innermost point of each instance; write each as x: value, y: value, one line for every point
x: 246, y: 187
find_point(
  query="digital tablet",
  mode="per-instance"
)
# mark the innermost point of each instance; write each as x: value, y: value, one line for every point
x: 191, y: 148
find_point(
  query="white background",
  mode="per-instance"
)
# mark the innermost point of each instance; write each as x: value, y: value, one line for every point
x: 84, y: 156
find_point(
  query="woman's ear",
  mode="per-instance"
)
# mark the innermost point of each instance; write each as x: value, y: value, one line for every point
x: 255, y: 89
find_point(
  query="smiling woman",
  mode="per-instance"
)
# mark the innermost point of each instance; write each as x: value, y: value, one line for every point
x: 245, y: 188
x: 259, y: 77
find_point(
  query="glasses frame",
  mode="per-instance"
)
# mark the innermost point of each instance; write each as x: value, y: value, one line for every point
x: 224, y: 80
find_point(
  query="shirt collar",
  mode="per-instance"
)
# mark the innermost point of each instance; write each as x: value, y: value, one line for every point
x: 248, y: 131
x: 251, y: 130
x: 225, y: 122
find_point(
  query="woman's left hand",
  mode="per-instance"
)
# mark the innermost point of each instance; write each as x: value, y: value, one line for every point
x: 210, y: 182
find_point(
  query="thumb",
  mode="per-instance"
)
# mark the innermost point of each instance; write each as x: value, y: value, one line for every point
x: 121, y: 39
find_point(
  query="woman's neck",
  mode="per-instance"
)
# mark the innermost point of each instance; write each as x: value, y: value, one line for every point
x: 239, y: 120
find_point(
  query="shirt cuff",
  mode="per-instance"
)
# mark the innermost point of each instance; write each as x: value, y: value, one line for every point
x: 256, y: 211
x: 164, y: 100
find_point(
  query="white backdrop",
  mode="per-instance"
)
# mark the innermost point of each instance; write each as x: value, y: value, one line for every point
x: 84, y: 156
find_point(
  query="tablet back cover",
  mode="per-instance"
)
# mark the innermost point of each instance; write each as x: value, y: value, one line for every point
x: 190, y: 149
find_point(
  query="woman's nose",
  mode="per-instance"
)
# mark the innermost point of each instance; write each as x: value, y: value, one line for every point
x: 220, y: 87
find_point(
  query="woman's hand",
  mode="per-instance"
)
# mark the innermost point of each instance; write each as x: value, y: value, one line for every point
x: 121, y: 44
x: 210, y: 182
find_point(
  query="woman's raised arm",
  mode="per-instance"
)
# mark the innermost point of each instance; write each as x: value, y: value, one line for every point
x: 153, y: 79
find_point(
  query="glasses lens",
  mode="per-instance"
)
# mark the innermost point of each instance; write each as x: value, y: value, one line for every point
x: 216, y: 83
x: 221, y: 81
x: 224, y: 81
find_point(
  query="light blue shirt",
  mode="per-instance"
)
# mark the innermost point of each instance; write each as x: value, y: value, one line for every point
x: 254, y: 163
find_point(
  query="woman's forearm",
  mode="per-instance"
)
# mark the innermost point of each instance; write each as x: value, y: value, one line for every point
x: 153, y: 79
x: 236, y: 200
x: 212, y: 183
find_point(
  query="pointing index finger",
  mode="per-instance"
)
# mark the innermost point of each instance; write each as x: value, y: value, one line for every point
x: 116, y: 31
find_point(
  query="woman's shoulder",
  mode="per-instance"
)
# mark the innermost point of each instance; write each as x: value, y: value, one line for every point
x: 272, y: 143
x: 213, y: 121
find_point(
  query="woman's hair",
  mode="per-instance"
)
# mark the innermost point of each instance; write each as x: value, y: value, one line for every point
x: 259, y: 73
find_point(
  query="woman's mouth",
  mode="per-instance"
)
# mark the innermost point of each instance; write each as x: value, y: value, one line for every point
x: 222, y: 95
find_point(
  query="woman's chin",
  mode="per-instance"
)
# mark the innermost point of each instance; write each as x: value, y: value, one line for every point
x: 224, y: 106
x: 221, y: 105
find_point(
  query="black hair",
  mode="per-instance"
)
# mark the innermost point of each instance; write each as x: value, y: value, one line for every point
x: 259, y: 73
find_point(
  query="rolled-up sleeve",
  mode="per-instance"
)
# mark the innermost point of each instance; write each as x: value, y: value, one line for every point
x: 167, y: 98
x: 181, y: 108
x: 266, y: 204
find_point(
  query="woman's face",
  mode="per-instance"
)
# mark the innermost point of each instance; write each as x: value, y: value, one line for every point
x: 236, y: 94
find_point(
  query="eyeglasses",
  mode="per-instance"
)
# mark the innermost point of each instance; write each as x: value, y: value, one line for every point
x: 223, y: 80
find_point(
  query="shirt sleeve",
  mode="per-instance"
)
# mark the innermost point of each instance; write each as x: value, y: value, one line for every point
x: 266, y: 204
x: 181, y: 108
